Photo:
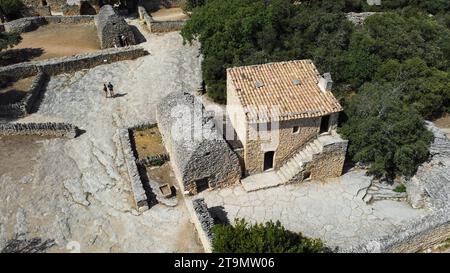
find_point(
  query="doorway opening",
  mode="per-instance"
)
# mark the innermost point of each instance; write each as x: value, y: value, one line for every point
x: 324, y: 124
x: 201, y: 184
x: 268, y: 160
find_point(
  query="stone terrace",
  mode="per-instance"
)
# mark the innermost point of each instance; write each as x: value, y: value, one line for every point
x: 78, y: 190
x: 333, y: 210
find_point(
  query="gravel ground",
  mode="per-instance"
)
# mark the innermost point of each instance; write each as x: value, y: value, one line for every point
x: 78, y: 190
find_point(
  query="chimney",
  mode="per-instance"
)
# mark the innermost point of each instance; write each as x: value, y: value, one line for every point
x: 325, y: 82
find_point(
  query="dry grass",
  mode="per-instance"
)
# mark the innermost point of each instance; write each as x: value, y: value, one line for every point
x: 170, y: 14
x: 148, y: 142
x: 61, y: 40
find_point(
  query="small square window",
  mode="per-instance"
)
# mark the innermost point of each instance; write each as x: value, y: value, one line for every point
x: 296, y: 129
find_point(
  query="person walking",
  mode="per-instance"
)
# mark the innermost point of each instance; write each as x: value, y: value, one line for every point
x: 111, y: 90
x: 105, y: 89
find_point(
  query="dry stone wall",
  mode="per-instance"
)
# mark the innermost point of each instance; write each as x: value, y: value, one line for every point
x: 203, y: 222
x: 24, y: 106
x: 159, y: 26
x: 139, y: 195
x: 72, y: 63
x: 40, y: 129
x: 32, y: 23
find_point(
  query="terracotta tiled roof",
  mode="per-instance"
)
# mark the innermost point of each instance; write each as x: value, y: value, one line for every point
x: 291, y: 86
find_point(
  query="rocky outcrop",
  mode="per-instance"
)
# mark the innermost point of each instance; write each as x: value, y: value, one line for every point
x: 430, y: 186
x: 358, y: 18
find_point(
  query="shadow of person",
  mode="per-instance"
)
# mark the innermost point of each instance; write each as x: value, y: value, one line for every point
x: 118, y: 95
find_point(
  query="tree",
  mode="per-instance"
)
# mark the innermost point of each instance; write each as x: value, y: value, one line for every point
x: 385, y: 132
x: 262, y: 238
x: 8, y: 40
x: 11, y: 8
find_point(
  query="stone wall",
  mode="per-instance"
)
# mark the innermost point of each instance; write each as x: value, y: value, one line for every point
x: 203, y: 222
x: 32, y: 23
x: 285, y: 142
x: 139, y: 195
x: 330, y: 162
x: 111, y: 27
x: 39, y: 129
x: 24, y: 106
x: 197, y: 150
x: 418, y: 235
x: 159, y: 26
x: 72, y: 63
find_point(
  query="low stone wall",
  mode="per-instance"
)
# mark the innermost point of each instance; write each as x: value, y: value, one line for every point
x: 418, y: 235
x: 72, y: 63
x: 160, y: 26
x: 140, y: 198
x: 39, y: 129
x: 203, y: 222
x: 32, y: 23
x: 23, y: 107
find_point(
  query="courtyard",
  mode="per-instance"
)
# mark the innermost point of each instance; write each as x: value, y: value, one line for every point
x: 78, y: 190
x: 58, y: 40
x: 332, y: 210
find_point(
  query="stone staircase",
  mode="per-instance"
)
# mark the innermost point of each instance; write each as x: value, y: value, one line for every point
x: 296, y: 164
x: 290, y: 169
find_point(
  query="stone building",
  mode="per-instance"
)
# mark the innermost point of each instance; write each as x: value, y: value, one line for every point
x: 111, y: 28
x: 286, y: 117
x: 199, y: 155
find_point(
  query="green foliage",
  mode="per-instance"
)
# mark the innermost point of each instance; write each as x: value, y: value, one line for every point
x: 8, y: 40
x: 385, y: 132
x: 400, y: 188
x: 11, y: 8
x: 262, y: 238
x: 243, y: 32
x: 192, y: 4
x: 397, y: 64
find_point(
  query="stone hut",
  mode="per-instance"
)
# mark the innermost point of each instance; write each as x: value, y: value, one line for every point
x: 200, y: 156
x: 111, y: 27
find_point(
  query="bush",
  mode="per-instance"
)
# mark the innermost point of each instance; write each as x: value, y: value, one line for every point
x: 11, y: 8
x: 262, y: 238
x: 8, y: 40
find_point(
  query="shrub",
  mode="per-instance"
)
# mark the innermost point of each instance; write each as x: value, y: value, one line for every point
x: 11, y: 8
x: 262, y: 238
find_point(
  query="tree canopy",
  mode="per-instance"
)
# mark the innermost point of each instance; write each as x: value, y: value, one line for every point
x: 401, y: 53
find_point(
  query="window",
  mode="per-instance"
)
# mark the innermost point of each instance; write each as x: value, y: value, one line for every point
x: 296, y: 129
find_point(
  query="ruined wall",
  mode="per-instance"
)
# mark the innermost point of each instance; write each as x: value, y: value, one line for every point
x: 72, y: 63
x: 24, y: 106
x: 39, y: 129
x: 110, y: 27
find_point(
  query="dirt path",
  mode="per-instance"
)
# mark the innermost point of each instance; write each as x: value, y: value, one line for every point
x: 171, y: 14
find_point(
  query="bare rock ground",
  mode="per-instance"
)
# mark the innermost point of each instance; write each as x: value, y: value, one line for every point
x: 77, y: 191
